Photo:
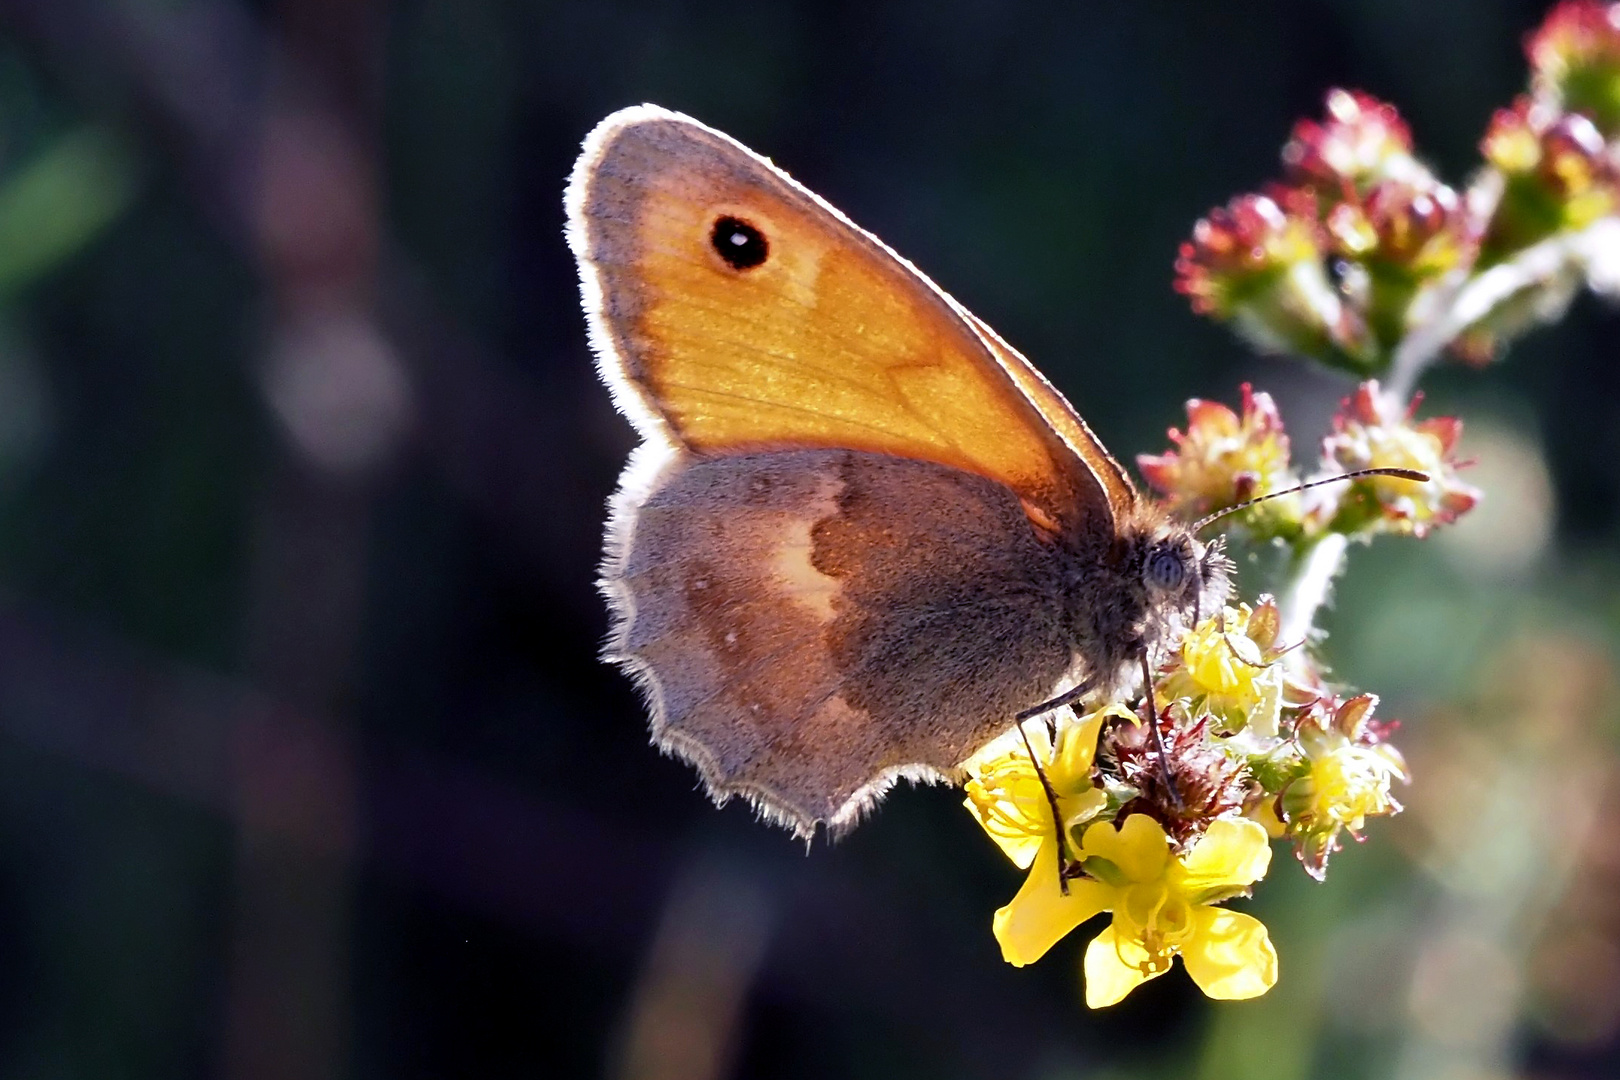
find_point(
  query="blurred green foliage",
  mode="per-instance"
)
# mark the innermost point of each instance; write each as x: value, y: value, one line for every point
x: 58, y: 201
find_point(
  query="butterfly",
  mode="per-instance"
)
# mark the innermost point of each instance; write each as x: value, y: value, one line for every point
x: 862, y: 535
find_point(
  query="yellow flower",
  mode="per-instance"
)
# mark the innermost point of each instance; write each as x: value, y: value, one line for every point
x: 1349, y: 782
x: 1227, y: 666
x: 1161, y: 904
x: 1004, y: 790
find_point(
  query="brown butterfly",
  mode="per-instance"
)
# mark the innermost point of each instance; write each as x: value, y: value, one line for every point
x: 862, y: 534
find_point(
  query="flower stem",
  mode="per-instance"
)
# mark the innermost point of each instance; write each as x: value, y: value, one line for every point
x: 1319, y: 561
x: 1483, y: 293
x: 1309, y: 586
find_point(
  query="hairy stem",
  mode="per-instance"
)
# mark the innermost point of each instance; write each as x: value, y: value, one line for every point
x: 1309, y: 586
x: 1479, y: 295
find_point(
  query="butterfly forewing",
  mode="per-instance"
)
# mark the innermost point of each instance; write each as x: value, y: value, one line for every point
x: 831, y: 340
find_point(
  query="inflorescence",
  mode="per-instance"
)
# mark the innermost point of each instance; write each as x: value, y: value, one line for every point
x: 1361, y: 259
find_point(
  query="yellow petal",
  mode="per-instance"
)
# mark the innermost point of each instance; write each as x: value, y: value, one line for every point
x: 1230, y: 955
x: 1084, y: 806
x: 1234, y: 851
x: 1077, y: 746
x: 1020, y: 847
x: 1139, y: 848
x: 1009, y: 742
x: 1005, y: 795
x: 1041, y: 914
x: 1266, y: 711
x: 1115, y: 965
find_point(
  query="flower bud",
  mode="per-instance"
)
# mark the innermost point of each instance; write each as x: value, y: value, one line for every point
x: 1228, y: 670
x: 1372, y: 432
x: 1346, y: 777
x: 1361, y: 142
x: 1402, y: 237
x: 1260, y: 266
x: 1558, y: 176
x: 1575, y: 62
x: 1226, y: 458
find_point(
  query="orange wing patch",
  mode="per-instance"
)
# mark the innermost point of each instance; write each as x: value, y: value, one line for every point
x: 1057, y: 412
x: 810, y: 334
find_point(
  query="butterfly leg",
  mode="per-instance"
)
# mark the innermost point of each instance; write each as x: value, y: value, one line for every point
x: 1068, y: 697
x: 1153, y: 726
x: 1057, y: 815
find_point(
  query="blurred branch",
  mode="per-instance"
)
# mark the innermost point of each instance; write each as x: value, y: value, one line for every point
x: 686, y: 1012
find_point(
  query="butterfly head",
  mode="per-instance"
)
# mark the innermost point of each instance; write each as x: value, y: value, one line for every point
x: 1180, y: 577
x: 1161, y: 581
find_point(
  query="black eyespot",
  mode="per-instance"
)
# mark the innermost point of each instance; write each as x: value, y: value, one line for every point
x: 739, y: 243
x: 1165, y: 570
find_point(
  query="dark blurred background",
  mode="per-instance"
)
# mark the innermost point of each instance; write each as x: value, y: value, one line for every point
x: 307, y: 767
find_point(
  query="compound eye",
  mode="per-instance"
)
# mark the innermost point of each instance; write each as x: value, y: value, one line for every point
x: 1165, y: 571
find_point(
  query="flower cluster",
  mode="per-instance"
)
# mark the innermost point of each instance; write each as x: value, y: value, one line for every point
x: 1374, y: 230
x: 1258, y: 266
x: 1225, y: 459
x: 1558, y: 175
x: 1372, y: 432
x: 1160, y: 831
x: 1359, y: 243
x: 1157, y: 819
x: 1341, y: 777
x: 1159, y: 809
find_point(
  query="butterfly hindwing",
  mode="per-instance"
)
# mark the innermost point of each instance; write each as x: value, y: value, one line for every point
x: 810, y: 625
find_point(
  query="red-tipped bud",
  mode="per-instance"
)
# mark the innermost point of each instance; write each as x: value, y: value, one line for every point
x: 1372, y: 432
x: 1238, y: 251
x: 1360, y: 142
x: 1225, y: 458
x: 1259, y: 266
x: 1558, y: 176
x: 1575, y: 61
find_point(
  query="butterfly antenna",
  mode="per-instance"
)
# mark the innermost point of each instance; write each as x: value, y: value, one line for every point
x: 1401, y: 474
